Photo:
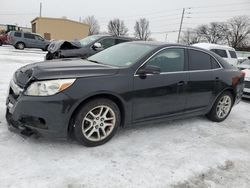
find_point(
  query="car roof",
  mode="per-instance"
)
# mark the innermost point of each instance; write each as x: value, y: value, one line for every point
x: 161, y: 44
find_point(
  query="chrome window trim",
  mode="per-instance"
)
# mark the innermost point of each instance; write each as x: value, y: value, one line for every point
x: 179, y: 47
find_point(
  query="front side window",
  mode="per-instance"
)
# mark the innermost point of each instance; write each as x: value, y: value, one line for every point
x: 233, y: 54
x: 88, y: 40
x: 118, y: 41
x: 219, y: 52
x: 40, y: 38
x: 169, y: 60
x: 108, y: 42
x: 199, y: 60
x: 29, y: 36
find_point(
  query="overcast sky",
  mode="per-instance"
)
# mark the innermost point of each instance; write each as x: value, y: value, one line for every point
x: 164, y: 15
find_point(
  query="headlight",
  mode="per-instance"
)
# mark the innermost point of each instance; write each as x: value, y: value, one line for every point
x: 49, y: 87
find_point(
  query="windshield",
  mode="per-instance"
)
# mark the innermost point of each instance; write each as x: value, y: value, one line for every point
x: 122, y: 55
x: 89, y: 39
x: 247, y: 62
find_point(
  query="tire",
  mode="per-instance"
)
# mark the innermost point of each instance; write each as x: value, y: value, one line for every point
x: 221, y: 108
x: 1, y: 43
x: 20, y: 46
x: 90, y: 127
x: 45, y: 49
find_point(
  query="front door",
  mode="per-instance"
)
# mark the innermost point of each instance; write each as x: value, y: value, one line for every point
x: 164, y: 94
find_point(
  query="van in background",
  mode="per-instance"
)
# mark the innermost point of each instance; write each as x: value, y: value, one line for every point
x: 226, y: 52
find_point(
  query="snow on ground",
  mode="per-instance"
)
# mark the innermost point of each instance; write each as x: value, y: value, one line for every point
x: 185, y: 153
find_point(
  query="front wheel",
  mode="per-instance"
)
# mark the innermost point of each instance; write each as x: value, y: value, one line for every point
x: 221, y: 108
x: 97, y: 122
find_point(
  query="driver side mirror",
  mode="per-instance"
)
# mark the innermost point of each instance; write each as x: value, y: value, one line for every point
x: 97, y: 46
x: 149, y: 69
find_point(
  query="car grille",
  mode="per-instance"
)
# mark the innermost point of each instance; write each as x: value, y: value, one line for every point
x: 247, y: 84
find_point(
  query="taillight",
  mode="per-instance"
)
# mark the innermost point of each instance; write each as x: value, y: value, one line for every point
x: 238, y: 79
x: 243, y: 73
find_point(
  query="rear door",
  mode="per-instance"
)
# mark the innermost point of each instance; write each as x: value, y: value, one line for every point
x: 164, y: 94
x: 30, y: 40
x: 204, y: 80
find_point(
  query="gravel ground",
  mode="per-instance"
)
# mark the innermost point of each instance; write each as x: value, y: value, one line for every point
x: 181, y: 154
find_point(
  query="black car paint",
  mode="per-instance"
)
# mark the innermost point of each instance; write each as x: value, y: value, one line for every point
x: 68, y: 49
x: 141, y: 99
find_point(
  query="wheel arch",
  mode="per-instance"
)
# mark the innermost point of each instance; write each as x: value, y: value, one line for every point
x: 20, y: 42
x: 231, y: 90
x: 116, y: 99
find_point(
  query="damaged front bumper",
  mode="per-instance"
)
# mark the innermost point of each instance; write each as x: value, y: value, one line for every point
x: 42, y: 116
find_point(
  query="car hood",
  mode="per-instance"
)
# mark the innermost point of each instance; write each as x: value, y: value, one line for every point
x: 62, y: 44
x: 60, y: 69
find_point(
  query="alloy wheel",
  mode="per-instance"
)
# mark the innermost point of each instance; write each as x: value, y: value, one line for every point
x: 223, y: 106
x: 98, y: 123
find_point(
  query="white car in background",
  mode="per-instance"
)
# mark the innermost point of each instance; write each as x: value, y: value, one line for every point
x: 245, y: 66
x: 226, y: 52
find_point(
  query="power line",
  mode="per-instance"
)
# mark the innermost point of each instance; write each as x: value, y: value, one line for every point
x: 219, y: 5
x: 220, y: 11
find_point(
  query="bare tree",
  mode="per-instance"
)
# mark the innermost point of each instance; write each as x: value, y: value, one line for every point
x: 212, y: 33
x: 94, y: 27
x: 238, y: 31
x: 190, y: 36
x: 117, y: 27
x: 142, y: 31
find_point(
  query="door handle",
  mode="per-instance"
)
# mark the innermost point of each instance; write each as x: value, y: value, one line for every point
x: 181, y: 83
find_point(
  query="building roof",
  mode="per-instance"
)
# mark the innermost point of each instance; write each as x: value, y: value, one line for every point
x: 58, y: 19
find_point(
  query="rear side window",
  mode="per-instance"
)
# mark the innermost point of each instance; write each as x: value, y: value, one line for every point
x: 18, y: 34
x: 233, y: 54
x: 199, y: 60
x: 220, y: 52
x: 214, y: 63
x: 29, y: 36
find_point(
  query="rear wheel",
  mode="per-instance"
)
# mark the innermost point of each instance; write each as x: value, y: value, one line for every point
x: 221, y: 108
x: 97, y: 122
x: 20, y: 45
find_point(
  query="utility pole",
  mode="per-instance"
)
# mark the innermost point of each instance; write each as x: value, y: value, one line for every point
x: 40, y: 14
x: 183, y: 12
x: 166, y: 37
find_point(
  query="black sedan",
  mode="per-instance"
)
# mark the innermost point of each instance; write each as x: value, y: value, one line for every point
x: 130, y: 83
x: 83, y: 48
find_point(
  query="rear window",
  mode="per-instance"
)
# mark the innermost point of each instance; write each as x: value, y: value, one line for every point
x: 220, y: 52
x: 233, y: 54
x: 29, y: 36
x: 18, y: 34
